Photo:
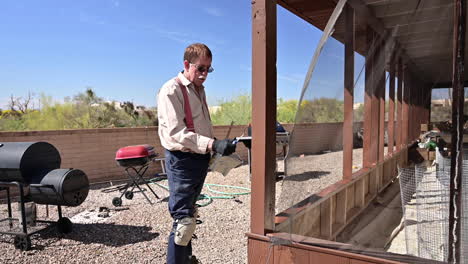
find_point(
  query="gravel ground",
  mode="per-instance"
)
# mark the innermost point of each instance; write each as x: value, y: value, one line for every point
x: 137, y: 232
x: 310, y: 174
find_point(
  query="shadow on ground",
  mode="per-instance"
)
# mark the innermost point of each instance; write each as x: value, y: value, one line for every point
x: 106, y: 234
x: 306, y: 176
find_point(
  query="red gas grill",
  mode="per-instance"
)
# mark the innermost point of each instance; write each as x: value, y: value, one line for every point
x: 136, y: 160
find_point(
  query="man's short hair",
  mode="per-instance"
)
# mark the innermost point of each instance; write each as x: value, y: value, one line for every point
x: 195, y: 51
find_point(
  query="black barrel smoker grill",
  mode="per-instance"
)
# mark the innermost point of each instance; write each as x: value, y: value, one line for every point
x: 136, y: 160
x: 35, y: 167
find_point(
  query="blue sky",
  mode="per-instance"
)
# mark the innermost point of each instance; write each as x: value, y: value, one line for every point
x: 126, y: 49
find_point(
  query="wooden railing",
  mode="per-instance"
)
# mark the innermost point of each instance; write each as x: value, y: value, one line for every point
x: 324, y: 215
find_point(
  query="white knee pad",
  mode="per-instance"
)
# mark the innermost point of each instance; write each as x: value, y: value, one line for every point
x: 184, y: 231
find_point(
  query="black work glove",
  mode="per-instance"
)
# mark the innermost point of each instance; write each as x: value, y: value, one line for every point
x: 224, y: 147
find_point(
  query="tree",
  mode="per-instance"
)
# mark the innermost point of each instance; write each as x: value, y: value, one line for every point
x: 286, y: 111
x: 87, y: 98
x: 20, y: 104
x: 239, y: 111
x: 321, y: 110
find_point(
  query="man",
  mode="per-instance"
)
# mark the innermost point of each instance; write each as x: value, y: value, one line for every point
x: 186, y: 132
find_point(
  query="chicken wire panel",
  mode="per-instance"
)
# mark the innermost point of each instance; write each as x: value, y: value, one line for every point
x: 408, y: 195
x: 432, y: 212
x: 443, y: 176
x: 425, y: 199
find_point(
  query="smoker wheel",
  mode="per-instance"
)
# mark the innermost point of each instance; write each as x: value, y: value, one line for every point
x: 117, y: 201
x: 129, y: 195
x: 23, y: 243
x: 64, y: 225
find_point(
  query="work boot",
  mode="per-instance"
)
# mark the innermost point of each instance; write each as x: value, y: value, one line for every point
x: 193, y: 260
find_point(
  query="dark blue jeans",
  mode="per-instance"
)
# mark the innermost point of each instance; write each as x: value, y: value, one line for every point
x: 186, y: 173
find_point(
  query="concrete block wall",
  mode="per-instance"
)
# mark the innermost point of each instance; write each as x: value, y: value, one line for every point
x: 93, y: 150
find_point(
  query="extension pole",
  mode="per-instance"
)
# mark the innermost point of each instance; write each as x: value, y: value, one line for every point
x: 457, y: 131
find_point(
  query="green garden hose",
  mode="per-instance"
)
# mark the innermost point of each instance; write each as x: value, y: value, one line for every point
x: 209, y: 198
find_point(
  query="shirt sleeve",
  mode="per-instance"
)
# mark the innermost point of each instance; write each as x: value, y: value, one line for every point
x: 173, y: 130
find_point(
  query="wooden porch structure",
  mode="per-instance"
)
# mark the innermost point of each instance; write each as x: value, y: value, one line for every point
x: 418, y: 70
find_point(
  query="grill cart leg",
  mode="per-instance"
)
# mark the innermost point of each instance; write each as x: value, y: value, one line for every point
x: 141, y: 190
x: 23, y: 209
x: 59, y: 210
x: 140, y: 175
x: 10, y: 215
x: 64, y: 225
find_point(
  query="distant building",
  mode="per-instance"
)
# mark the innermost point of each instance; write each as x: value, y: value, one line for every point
x: 357, y: 105
x: 214, y: 109
x: 440, y: 103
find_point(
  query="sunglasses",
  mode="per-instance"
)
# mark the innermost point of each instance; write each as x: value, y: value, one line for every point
x: 202, y: 68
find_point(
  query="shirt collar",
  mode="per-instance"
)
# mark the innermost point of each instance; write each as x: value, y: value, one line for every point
x: 185, y: 81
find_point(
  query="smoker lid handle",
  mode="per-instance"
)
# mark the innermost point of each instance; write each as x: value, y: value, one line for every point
x: 42, y: 186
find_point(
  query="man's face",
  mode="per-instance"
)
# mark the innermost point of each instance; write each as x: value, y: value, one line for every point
x: 197, y: 71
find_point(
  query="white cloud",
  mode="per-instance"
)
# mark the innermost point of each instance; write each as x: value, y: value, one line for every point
x: 213, y: 11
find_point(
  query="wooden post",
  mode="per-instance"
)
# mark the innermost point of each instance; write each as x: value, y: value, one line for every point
x: 375, y: 130
x: 391, y: 106
x: 399, y: 128
x: 380, y: 70
x: 456, y: 165
x: 348, y: 95
x: 263, y: 115
x: 405, y: 110
x: 367, y: 148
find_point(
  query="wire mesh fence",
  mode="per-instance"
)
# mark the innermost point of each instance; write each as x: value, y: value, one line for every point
x: 425, y: 200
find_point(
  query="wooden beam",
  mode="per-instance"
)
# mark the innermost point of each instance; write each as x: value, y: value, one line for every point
x: 455, y: 214
x: 407, y: 7
x: 447, y: 85
x: 348, y: 95
x: 378, y: 26
x: 263, y: 115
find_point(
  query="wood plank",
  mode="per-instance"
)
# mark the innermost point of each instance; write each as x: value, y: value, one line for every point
x: 284, y: 254
x: 341, y: 208
x: 373, y: 182
x: 259, y: 251
x: 326, y: 219
x: 317, y: 257
x: 350, y: 203
x: 359, y: 193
